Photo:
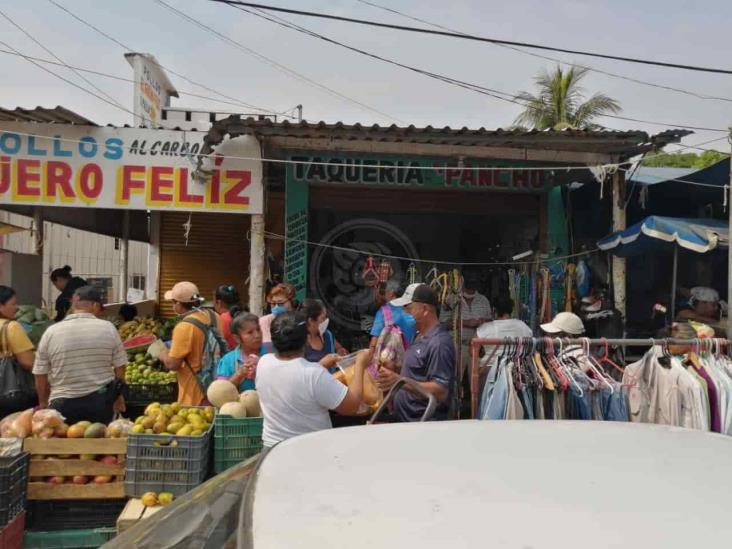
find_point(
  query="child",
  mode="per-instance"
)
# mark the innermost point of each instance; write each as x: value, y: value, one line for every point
x: 240, y: 365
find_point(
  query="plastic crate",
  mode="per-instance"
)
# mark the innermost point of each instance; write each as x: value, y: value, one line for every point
x: 61, y: 514
x: 87, y: 538
x: 13, y: 486
x: 236, y: 440
x: 11, y: 536
x: 166, y: 463
x: 139, y: 394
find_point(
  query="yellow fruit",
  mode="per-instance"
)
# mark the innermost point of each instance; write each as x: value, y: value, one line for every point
x: 175, y: 407
x: 148, y: 422
x: 149, y: 431
x: 138, y: 429
x: 208, y: 413
x: 196, y: 433
x: 183, y: 412
x: 195, y: 420
x: 149, y: 499
x: 159, y: 427
x: 139, y: 420
x: 164, y: 498
x: 168, y: 411
x: 151, y: 407
x: 173, y: 428
x: 185, y: 431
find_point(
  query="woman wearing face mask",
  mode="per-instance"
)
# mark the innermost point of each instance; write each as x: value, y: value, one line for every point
x: 281, y: 299
x: 321, y: 345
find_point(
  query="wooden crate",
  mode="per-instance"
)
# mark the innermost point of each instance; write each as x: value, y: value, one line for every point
x: 40, y: 467
x: 134, y: 512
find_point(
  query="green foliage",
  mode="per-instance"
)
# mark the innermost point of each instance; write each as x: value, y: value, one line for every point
x: 685, y: 160
x: 560, y: 103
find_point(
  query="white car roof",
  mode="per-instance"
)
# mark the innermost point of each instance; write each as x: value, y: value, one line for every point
x: 503, y: 484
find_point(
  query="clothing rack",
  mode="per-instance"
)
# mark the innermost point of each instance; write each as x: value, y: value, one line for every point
x: 540, y: 342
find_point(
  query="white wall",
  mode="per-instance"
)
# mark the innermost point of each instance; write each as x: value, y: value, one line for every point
x: 88, y: 254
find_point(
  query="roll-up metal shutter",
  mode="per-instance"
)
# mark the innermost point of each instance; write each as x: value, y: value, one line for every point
x: 217, y: 252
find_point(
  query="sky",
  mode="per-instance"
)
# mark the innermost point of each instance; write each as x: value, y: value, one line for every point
x: 676, y: 31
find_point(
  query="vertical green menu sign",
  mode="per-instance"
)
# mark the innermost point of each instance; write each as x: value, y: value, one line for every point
x: 296, y: 232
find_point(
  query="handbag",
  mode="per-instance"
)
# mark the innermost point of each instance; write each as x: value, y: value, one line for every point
x: 17, y: 387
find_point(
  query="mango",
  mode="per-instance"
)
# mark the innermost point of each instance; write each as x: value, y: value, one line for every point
x: 137, y: 429
x: 173, y: 428
x: 165, y: 498
x: 185, y: 431
x: 159, y: 427
x: 149, y: 499
x: 95, y: 430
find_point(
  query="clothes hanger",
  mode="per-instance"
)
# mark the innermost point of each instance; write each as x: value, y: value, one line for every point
x: 605, y: 358
x: 567, y: 370
x: 595, y: 367
x: 554, y: 364
x: 412, y: 273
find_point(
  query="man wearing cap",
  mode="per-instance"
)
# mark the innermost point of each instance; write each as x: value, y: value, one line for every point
x: 185, y: 356
x: 705, y: 307
x: 404, y: 321
x: 80, y: 363
x: 429, y: 361
x: 566, y: 325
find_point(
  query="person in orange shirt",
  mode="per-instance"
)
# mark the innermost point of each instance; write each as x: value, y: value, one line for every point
x: 185, y: 356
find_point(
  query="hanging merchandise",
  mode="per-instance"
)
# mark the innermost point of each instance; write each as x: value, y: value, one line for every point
x: 569, y: 292
x: 385, y: 271
x: 583, y: 278
x: 545, y: 311
x: 513, y: 292
x: 412, y: 274
x: 370, y: 276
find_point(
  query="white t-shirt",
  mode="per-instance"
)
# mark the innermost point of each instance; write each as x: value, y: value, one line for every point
x: 498, y: 329
x: 295, y: 396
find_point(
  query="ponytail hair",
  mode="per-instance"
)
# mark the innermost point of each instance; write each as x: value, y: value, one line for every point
x: 62, y: 272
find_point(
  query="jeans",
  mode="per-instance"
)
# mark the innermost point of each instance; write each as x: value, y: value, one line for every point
x: 579, y: 406
x: 614, y: 405
x: 527, y: 402
x: 495, y: 394
x: 95, y: 407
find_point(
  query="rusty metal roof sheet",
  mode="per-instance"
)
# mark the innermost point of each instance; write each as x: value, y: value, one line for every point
x: 57, y: 115
x: 623, y: 143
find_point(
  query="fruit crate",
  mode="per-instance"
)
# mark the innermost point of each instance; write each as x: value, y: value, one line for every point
x: 235, y: 440
x: 11, y: 535
x: 166, y: 463
x: 62, y: 466
x: 133, y: 513
x: 86, y: 538
x: 13, y: 486
x: 70, y: 514
x: 147, y: 393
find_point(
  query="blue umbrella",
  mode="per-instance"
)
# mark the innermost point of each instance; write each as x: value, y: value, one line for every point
x: 667, y: 234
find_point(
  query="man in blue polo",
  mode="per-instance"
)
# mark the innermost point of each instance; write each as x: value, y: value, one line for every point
x: 398, y: 316
x: 429, y: 361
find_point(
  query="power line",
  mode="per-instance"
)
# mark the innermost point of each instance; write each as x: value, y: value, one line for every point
x: 168, y: 69
x: 272, y: 62
x: 496, y: 94
x: 82, y: 88
x: 476, y: 38
x: 132, y: 80
x: 555, y: 59
x: 61, y: 61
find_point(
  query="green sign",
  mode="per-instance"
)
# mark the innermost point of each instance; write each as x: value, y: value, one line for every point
x: 420, y: 172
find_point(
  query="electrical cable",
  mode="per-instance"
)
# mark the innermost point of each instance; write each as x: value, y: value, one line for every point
x: 82, y: 88
x: 496, y: 94
x: 555, y: 59
x: 168, y: 69
x: 131, y: 80
x: 273, y: 63
x: 61, y: 61
x: 283, y: 238
x: 376, y: 166
x: 476, y: 38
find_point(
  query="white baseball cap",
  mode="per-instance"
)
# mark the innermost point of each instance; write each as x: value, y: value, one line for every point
x: 416, y: 293
x: 569, y: 323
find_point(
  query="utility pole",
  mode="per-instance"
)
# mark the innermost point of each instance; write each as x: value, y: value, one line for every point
x: 299, y: 113
x: 619, y: 220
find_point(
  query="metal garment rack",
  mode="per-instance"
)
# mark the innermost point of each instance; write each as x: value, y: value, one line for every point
x: 540, y: 342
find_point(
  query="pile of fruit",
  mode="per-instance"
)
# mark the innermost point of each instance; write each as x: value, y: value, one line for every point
x: 79, y: 479
x: 139, y: 326
x: 50, y: 424
x: 151, y: 499
x: 174, y: 419
x: 225, y: 396
x: 144, y: 370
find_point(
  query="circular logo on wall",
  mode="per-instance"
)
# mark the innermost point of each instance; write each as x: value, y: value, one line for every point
x: 337, y: 272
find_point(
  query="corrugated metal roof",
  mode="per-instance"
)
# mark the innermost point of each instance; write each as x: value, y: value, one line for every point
x: 625, y: 143
x: 57, y: 115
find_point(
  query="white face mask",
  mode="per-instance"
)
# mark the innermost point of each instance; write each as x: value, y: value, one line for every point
x: 323, y: 326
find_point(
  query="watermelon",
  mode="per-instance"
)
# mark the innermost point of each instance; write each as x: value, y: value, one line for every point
x: 139, y: 343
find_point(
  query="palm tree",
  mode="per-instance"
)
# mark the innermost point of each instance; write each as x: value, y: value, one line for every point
x: 559, y: 103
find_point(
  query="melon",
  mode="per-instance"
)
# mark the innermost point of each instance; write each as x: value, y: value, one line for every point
x: 250, y: 400
x: 233, y: 409
x: 220, y: 392
x: 139, y: 343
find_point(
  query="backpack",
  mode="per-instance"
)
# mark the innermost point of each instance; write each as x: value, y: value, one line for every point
x: 214, y: 347
x: 391, y: 342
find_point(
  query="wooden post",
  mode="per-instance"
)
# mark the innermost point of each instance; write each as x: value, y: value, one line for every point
x: 619, y: 225
x: 153, y: 258
x: 38, y: 231
x: 256, y: 265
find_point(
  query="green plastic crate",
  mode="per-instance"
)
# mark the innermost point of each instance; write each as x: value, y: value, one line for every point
x: 235, y: 440
x: 69, y: 539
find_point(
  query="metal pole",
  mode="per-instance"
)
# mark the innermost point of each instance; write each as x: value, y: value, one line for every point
x: 594, y: 342
x: 729, y: 247
x: 256, y: 262
x: 618, y: 270
x: 124, y: 256
x: 673, y: 282
x: 299, y: 113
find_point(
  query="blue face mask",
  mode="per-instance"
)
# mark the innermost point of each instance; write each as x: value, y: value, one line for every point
x: 278, y: 309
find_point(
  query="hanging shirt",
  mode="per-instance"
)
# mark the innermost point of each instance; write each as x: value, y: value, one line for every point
x: 498, y: 329
x: 474, y: 309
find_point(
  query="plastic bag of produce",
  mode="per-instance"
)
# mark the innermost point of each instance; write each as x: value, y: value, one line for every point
x: 119, y: 428
x: 372, y: 396
x: 45, y: 422
x: 17, y: 425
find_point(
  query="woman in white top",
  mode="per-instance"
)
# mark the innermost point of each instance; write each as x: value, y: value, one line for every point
x: 296, y: 395
x: 502, y: 326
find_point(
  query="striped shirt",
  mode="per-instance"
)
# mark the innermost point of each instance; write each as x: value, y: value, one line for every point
x: 79, y: 355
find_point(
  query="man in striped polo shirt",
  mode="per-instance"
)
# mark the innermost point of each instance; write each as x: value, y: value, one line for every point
x: 80, y: 363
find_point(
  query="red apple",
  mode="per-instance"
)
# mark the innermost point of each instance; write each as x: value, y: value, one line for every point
x: 109, y: 460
